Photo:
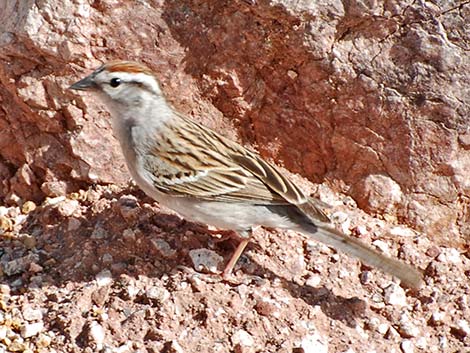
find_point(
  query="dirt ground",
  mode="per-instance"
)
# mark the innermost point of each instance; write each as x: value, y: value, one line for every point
x: 107, y: 270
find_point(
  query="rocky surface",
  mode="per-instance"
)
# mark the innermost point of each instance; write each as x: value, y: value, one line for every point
x: 106, y: 270
x: 367, y: 99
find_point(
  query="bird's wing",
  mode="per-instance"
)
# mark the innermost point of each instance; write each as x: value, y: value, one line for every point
x: 193, y: 161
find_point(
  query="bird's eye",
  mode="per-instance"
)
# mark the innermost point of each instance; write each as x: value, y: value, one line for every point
x: 115, y: 82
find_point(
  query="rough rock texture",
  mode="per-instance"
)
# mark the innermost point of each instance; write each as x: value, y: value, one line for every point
x: 369, y: 98
x: 106, y: 270
x: 342, y: 91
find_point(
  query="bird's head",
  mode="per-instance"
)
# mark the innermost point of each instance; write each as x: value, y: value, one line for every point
x: 122, y: 83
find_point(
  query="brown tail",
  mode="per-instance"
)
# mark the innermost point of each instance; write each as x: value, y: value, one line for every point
x: 326, y: 234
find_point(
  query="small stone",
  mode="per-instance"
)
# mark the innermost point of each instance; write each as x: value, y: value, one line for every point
x: 54, y: 188
x: 462, y: 328
x: 313, y: 280
x: 395, y: 295
x: 292, y: 74
x: 68, y: 207
x: 51, y: 201
x: 98, y: 233
x: 365, y: 277
x: 392, y: 334
x: 382, y: 246
x: 3, y: 211
x: 43, y: 340
x: 3, y: 332
x: 314, y: 343
x: 372, y: 324
x: 19, y: 265
x: 129, y: 235
x: 267, y: 308
x: 6, y: 225
x: 28, y: 241
x: 28, y: 207
x: 17, y: 346
x: 401, y: 231
x: 242, y: 338
x: 128, y: 207
x: 158, y: 294
x: 107, y: 258
x: 31, y: 314
x: 437, y: 318
x: 30, y: 330
x: 383, y: 328
x: 421, y: 343
x: 360, y: 231
x: 406, y: 328
x: 163, y: 248
x: 449, y: 255
x: 104, y: 278
x: 97, y: 333
x: 205, y: 259
x: 5, y: 288
x: 73, y: 224
x: 433, y: 251
x: 174, y: 347
x: 407, y: 346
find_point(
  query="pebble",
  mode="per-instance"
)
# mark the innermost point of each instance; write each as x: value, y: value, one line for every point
x: 104, y: 278
x: 400, y: 231
x: 28, y: 207
x: 462, y: 328
x: 314, y: 343
x: 421, y: 343
x: 68, y: 207
x: 107, y: 258
x: 373, y: 324
x: 406, y: 328
x: 73, y: 224
x: 437, y: 318
x: 205, y: 259
x: 129, y: 235
x: 6, y: 225
x: 43, y: 340
x: 158, y: 293
x: 407, y: 346
x: 99, y: 233
x: 28, y: 240
x: 51, y: 201
x: 382, y: 246
x: 31, y: 314
x: 242, y: 338
x: 163, y: 248
x: 3, y: 332
x: 17, y: 346
x: 433, y: 251
x: 30, y: 330
x: 97, y: 333
x: 313, y: 280
x: 128, y: 207
x: 3, y: 211
x: 19, y: 265
x: 395, y: 295
x: 383, y: 328
x: 449, y: 255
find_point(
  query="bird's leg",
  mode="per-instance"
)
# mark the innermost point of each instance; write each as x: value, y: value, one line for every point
x: 245, y: 239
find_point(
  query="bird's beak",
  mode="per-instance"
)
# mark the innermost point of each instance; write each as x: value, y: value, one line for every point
x: 88, y: 83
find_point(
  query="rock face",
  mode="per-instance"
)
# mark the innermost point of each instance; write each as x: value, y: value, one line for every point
x: 371, y: 97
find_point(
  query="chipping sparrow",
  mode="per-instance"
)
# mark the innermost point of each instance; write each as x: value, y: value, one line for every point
x: 207, y: 178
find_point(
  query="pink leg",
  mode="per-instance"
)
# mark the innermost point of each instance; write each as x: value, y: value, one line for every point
x: 236, y: 255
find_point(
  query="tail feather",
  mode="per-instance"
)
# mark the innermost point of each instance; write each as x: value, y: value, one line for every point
x: 326, y: 234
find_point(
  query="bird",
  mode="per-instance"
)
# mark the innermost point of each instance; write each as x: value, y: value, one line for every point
x: 208, y: 178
